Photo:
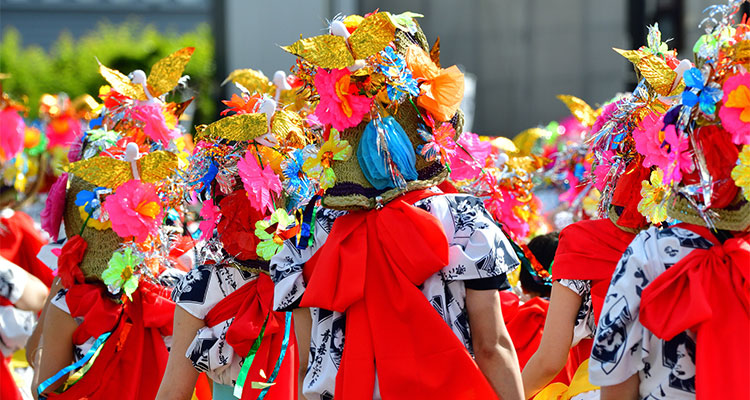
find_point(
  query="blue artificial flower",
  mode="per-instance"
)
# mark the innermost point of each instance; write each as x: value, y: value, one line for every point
x: 208, y: 177
x: 696, y: 92
x: 89, y: 200
x: 399, y: 78
x: 296, y: 183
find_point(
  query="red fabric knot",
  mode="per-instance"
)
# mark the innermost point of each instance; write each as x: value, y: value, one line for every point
x: 707, y: 292
x: 250, y: 305
x: 590, y: 250
x: 370, y: 267
x: 68, y: 264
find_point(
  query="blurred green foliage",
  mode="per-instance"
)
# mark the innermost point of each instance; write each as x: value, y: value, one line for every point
x: 70, y: 65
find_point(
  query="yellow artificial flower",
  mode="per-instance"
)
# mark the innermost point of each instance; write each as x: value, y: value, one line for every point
x: 654, y: 193
x: 591, y: 202
x: 332, y: 150
x: 741, y: 172
x: 93, y: 222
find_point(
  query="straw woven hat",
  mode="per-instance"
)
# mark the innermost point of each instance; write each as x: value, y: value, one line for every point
x: 352, y: 191
x: 101, y: 244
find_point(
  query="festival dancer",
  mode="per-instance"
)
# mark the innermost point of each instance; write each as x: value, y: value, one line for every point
x: 394, y: 285
x: 224, y: 321
x: 106, y: 332
x: 675, y: 319
x: 590, y: 249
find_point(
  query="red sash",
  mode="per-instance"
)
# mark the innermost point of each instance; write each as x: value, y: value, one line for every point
x: 20, y: 243
x: 590, y: 250
x: 370, y: 267
x: 250, y: 305
x: 707, y: 292
x: 131, y: 362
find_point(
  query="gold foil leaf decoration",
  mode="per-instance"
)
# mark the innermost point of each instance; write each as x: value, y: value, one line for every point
x: 653, y: 68
x: 252, y: 80
x: 166, y: 73
x: 372, y: 35
x: 657, y: 73
x: 632, y: 55
x: 739, y: 51
x: 157, y: 165
x: 435, y: 52
x: 101, y: 171
x: 505, y: 144
x: 580, y: 109
x: 121, y: 83
x: 526, y: 140
x: 287, y: 127
x: 330, y: 51
x: 239, y: 127
x: 327, y: 51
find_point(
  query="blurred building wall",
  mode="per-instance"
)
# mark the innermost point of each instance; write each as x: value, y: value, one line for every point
x: 40, y: 22
x: 523, y: 53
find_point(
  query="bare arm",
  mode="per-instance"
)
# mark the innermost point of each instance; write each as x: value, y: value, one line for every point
x: 180, y: 375
x: 57, y: 347
x: 493, y: 348
x: 554, y: 348
x: 627, y: 390
x: 302, y: 328
x: 32, y: 345
x: 34, y: 291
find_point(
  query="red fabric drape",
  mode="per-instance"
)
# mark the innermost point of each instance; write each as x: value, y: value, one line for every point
x: 8, y: 389
x: 20, y: 243
x: 250, y: 305
x: 525, y: 323
x: 370, y: 267
x: 132, y: 361
x: 590, y: 250
x: 707, y: 292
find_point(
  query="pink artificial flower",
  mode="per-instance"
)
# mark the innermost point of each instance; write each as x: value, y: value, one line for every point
x: 155, y: 126
x: 339, y: 104
x: 648, y: 138
x: 63, y: 131
x: 260, y: 183
x: 210, y: 214
x: 13, y: 129
x: 602, y: 170
x: 54, y: 206
x: 74, y: 153
x: 572, y: 128
x: 605, y: 116
x: 463, y: 166
x: 135, y: 210
x: 441, y: 144
x: 735, y: 113
x: 679, y: 157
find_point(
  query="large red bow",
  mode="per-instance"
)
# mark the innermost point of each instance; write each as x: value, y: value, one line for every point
x: 370, y: 267
x: 707, y: 292
x: 131, y: 362
x: 250, y: 305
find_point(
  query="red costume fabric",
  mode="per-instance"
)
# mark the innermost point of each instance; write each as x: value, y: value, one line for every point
x: 135, y: 351
x: 250, y: 305
x: 590, y: 250
x: 8, y: 389
x: 20, y: 243
x: 525, y: 324
x: 707, y: 292
x: 369, y: 268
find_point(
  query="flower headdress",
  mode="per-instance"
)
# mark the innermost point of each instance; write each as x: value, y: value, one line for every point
x: 387, y: 110
x: 121, y: 193
x: 688, y: 128
x: 251, y: 163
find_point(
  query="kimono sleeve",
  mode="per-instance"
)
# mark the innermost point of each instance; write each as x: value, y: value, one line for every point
x: 617, y: 352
